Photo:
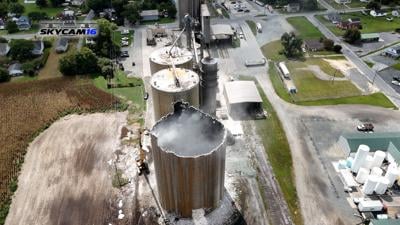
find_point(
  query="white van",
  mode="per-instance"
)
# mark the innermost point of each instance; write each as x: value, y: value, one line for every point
x: 259, y: 27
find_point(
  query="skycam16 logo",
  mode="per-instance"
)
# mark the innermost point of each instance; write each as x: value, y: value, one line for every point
x: 68, y: 29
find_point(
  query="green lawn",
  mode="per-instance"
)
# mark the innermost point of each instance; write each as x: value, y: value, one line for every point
x: 272, y: 49
x: 396, y: 66
x: 304, y: 28
x: 163, y: 20
x: 376, y: 99
x: 23, y: 78
x: 51, y: 11
x: 131, y: 88
x: 369, y: 23
x: 252, y: 26
x: 277, y: 148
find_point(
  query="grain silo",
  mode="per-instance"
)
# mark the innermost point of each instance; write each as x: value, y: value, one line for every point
x: 188, y: 149
x: 166, y: 57
x: 171, y: 85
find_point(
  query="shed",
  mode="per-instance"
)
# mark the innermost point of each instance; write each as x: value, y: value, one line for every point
x: 15, y: 70
x: 61, y: 45
x: 221, y: 31
x: 4, y: 49
x: 370, y: 37
x: 149, y: 15
x: 313, y: 45
x: 243, y: 99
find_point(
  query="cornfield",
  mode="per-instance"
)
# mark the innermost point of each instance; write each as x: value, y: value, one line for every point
x: 27, y: 108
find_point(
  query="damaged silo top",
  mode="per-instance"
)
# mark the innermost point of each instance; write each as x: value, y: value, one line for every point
x: 166, y: 80
x: 188, y: 148
x: 167, y: 56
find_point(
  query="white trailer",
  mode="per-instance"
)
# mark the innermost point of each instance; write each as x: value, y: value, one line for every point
x: 370, y: 206
x: 260, y: 3
x: 284, y: 70
x: 259, y: 27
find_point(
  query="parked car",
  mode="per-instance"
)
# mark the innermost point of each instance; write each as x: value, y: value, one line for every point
x: 395, y: 82
x: 125, y: 39
x: 125, y: 31
x: 133, y: 64
x: 366, y: 127
x: 124, y: 54
x: 247, y: 10
x: 396, y: 79
x: 124, y: 43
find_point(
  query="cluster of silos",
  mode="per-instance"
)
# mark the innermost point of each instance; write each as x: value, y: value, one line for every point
x: 370, y: 173
x: 188, y: 149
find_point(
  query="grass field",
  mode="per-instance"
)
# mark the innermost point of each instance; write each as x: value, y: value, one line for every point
x: 277, y: 148
x: 396, y: 66
x: 163, y: 20
x: 369, y: 23
x: 129, y: 89
x: 376, y: 99
x: 51, y: 11
x: 252, y: 26
x: 27, y: 108
x: 352, y: 4
x: 272, y: 49
x: 304, y: 28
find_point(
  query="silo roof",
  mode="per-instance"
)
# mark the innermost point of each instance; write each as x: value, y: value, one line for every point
x: 242, y: 92
x: 178, y: 56
x: 164, y: 80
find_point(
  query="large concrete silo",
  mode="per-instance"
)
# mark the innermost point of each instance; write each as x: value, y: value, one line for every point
x: 188, y: 148
x: 191, y: 7
x: 164, y: 58
x: 169, y: 86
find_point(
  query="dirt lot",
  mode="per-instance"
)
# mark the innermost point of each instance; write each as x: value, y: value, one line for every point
x: 66, y: 178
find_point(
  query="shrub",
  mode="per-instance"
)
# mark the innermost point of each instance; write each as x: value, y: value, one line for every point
x: 328, y: 44
x: 4, y: 76
x: 337, y: 48
x: 29, y: 68
x: 47, y: 44
x: 44, y: 57
x: 3, y: 40
x: 11, y: 27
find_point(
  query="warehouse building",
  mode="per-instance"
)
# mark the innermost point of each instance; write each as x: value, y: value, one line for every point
x: 243, y: 99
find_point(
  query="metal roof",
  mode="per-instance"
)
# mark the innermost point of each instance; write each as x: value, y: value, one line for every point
x: 222, y: 29
x: 369, y: 35
x: 149, y: 13
x: 385, y: 222
x: 241, y: 92
x: 204, y: 10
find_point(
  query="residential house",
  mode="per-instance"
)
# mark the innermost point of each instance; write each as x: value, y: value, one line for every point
x: 108, y: 13
x: 377, y: 13
x: 2, y: 24
x: 313, y: 45
x: 342, y: 1
x: 292, y: 7
x: 4, y: 49
x: 149, y: 15
x: 370, y: 37
x: 38, y: 47
x: 393, y: 52
x: 335, y: 18
x: 23, y: 23
x: 349, y: 24
x: 15, y: 70
x: 61, y: 45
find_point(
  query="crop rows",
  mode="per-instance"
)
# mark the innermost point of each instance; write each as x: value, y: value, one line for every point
x: 29, y: 107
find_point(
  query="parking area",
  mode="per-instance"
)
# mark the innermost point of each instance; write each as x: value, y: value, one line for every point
x: 388, y: 74
x: 385, y: 39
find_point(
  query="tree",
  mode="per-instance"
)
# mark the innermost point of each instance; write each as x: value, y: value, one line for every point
x: 71, y: 64
x: 328, y: 44
x: 373, y: 5
x: 97, y: 5
x: 20, y: 49
x: 16, y: 8
x: 352, y: 35
x: 105, y: 66
x: 3, y: 40
x: 104, y: 43
x: 36, y: 16
x: 56, y: 3
x: 291, y: 45
x: 310, y: 5
x: 3, y: 9
x: 4, y: 75
x: 41, y: 3
x: 132, y: 12
x: 11, y: 27
x: 169, y: 7
x: 337, y: 48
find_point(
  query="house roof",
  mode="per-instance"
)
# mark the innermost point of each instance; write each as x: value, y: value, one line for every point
x: 37, y: 45
x: 149, y: 13
x: 62, y: 42
x: 369, y: 36
x: 4, y: 48
x: 241, y: 92
x: 22, y: 19
x: 314, y: 43
x: 15, y: 66
x: 221, y: 31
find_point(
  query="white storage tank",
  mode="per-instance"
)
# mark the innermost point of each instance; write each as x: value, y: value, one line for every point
x: 376, y: 171
x: 349, y: 161
x: 360, y: 157
x: 370, y: 184
x: 362, y: 175
x: 379, y: 156
x: 392, y: 174
x: 169, y: 86
x: 164, y: 58
x: 381, y: 186
x: 368, y: 162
